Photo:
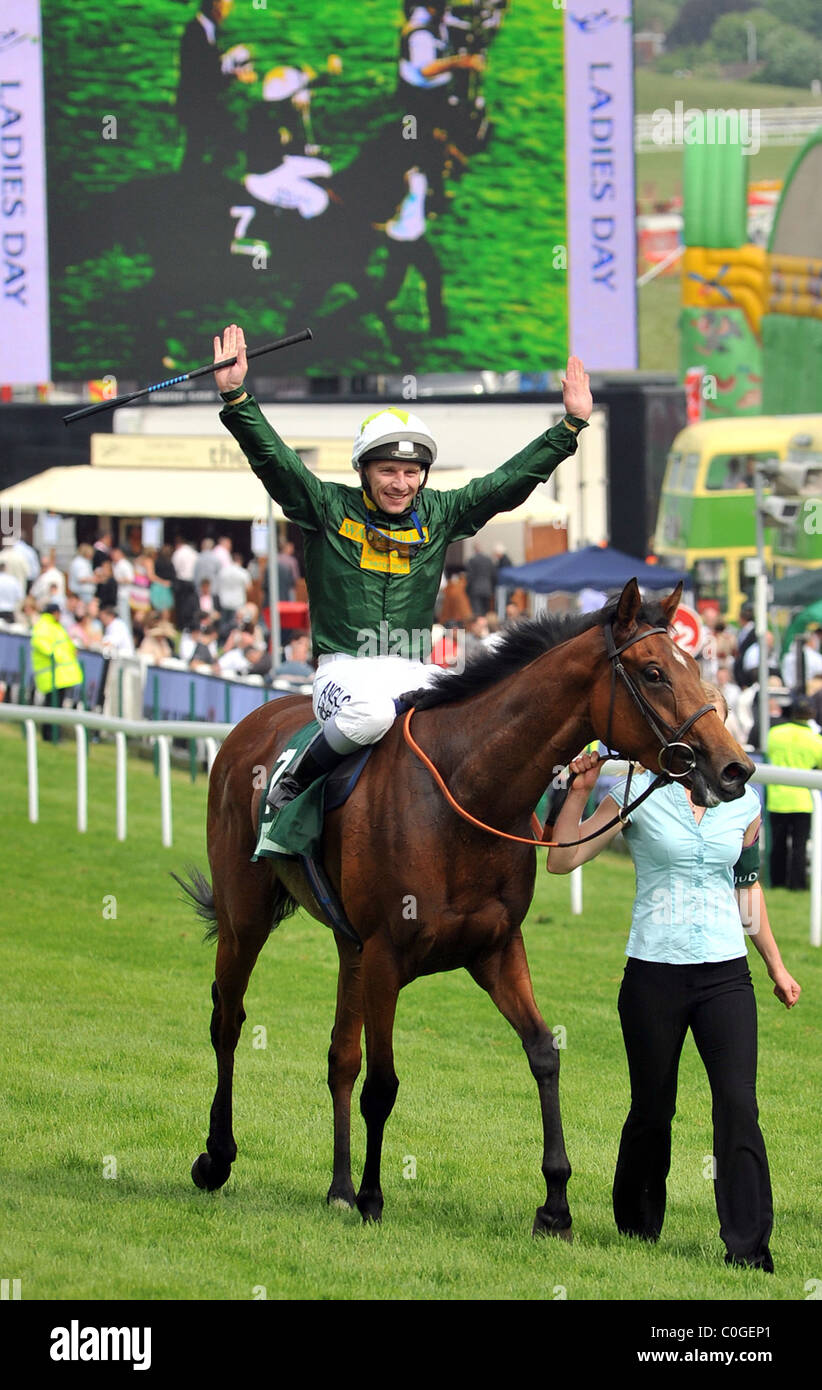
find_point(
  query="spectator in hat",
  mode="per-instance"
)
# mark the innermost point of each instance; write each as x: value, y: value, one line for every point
x: 54, y: 662
x: 158, y: 638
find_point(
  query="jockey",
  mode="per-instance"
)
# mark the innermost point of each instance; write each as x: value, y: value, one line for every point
x: 374, y: 554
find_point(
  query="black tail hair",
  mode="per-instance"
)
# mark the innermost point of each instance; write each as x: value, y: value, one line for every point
x: 201, y: 893
x: 199, y: 890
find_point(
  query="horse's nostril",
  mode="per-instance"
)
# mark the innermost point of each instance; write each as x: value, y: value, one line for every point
x: 733, y: 775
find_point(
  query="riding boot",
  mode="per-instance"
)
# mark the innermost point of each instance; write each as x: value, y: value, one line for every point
x: 316, y: 759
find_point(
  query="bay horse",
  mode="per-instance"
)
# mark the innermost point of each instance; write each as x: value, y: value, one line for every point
x: 497, y: 732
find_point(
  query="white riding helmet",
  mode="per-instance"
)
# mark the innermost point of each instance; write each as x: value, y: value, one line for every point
x: 395, y: 435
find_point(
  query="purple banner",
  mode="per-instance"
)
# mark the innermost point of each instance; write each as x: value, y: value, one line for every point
x: 601, y: 202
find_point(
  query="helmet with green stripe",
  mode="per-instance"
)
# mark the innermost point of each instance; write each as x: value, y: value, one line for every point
x: 395, y: 436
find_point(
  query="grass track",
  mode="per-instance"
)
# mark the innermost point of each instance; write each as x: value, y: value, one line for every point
x: 105, y: 1056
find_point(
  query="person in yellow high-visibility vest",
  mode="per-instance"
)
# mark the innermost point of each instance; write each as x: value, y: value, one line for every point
x: 53, y: 661
x: 792, y: 744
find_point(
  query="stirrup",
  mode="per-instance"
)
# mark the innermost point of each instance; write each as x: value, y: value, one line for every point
x: 285, y: 790
x: 316, y: 759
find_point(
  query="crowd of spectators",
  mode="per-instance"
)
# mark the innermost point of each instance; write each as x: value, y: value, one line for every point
x: 730, y: 660
x: 200, y: 607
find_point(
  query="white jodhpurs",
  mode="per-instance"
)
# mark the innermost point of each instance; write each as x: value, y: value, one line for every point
x: 353, y: 697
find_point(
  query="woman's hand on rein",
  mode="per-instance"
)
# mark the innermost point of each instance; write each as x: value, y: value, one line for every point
x: 586, y: 770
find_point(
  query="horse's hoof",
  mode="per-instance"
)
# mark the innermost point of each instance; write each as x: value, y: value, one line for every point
x: 543, y: 1226
x: 208, y: 1175
x: 370, y: 1205
x: 341, y: 1197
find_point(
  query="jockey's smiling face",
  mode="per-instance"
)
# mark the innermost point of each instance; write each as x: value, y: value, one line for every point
x: 393, y: 485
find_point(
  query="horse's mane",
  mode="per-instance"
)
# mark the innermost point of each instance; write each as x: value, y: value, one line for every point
x: 519, y: 646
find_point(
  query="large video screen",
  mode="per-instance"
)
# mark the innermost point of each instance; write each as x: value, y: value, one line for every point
x: 428, y: 188
x: 391, y: 177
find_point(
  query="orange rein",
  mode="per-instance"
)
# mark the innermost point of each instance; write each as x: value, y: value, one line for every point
x: 455, y: 806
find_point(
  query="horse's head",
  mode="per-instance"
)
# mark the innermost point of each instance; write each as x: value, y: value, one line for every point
x: 650, y: 705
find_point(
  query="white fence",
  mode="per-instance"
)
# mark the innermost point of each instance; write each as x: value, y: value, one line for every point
x: 159, y: 731
x: 162, y: 732
x: 776, y: 125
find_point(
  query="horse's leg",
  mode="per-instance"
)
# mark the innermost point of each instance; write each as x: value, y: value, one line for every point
x: 344, y: 1060
x: 236, y: 956
x: 381, y: 987
x: 507, y: 979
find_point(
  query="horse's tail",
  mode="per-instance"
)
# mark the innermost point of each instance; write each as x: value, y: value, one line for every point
x: 200, y: 891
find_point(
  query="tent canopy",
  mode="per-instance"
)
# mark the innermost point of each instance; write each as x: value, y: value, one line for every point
x: 233, y: 495
x: 811, y: 614
x: 797, y: 589
x: 595, y: 567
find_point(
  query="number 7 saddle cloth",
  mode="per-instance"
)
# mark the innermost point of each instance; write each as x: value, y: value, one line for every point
x: 297, y: 828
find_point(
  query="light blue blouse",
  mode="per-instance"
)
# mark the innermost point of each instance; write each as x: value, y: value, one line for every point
x: 685, y: 909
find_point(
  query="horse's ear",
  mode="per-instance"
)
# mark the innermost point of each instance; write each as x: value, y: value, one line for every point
x: 671, y: 603
x: 630, y: 602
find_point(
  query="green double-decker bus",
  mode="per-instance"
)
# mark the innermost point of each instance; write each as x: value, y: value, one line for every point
x: 706, y: 522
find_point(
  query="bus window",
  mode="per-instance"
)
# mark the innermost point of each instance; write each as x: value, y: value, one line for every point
x: 688, y: 473
x: 711, y: 581
x: 728, y: 472
x: 673, y: 471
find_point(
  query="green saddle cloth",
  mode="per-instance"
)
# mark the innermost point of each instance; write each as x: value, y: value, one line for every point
x: 297, y: 827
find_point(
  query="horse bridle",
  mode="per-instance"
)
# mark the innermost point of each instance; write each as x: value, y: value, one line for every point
x: 672, y: 741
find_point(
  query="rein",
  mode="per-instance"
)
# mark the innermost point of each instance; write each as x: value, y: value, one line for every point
x: 648, y: 713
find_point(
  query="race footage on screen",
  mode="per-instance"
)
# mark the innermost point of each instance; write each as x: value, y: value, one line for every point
x: 392, y: 177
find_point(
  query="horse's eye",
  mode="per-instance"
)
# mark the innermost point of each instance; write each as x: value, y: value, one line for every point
x: 652, y: 674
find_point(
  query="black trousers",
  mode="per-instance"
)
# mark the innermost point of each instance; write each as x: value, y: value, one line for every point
x: 658, y: 1003
x: 51, y: 732
x: 789, y: 844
